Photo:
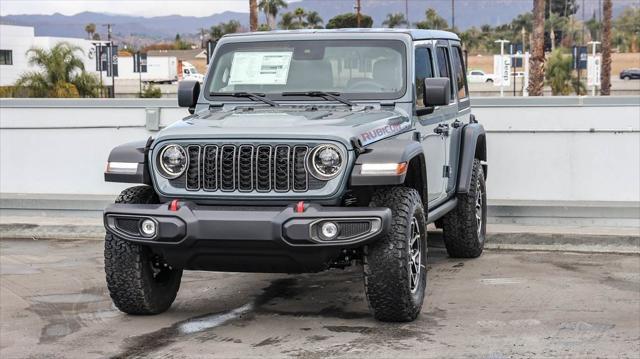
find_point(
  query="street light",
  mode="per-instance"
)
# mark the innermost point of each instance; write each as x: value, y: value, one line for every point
x: 502, y: 42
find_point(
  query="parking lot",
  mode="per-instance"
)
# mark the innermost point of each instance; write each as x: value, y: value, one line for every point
x: 504, y: 304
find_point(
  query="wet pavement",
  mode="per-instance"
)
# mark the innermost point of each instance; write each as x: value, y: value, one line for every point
x: 505, y: 304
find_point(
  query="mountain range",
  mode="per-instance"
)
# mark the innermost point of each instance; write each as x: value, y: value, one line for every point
x: 468, y: 13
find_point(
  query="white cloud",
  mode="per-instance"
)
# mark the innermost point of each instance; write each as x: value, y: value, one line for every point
x: 146, y: 8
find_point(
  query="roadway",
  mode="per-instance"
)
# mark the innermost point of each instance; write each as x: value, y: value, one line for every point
x: 505, y: 304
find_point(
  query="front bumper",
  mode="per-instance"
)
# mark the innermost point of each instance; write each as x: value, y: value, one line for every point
x: 247, y: 239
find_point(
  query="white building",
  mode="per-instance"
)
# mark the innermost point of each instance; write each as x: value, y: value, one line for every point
x: 15, y: 41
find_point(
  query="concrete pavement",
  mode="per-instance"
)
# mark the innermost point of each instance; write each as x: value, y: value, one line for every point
x: 505, y: 304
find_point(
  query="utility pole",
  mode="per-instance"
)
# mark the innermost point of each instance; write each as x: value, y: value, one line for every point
x: 453, y: 14
x: 502, y: 42
x: 357, y: 8
x: 108, y: 31
x: 406, y: 13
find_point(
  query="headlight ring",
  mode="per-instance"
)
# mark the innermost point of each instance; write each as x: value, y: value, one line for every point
x: 172, y: 161
x: 326, y: 161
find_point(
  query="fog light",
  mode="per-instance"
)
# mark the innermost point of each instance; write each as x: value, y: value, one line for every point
x: 148, y: 228
x: 329, y: 230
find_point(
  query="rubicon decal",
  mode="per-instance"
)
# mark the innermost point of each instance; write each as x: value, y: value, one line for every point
x: 382, y: 132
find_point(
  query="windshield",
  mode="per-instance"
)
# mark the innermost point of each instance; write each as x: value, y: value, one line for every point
x: 356, y: 69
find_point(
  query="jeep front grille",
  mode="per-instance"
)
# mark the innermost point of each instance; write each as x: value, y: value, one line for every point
x: 247, y: 168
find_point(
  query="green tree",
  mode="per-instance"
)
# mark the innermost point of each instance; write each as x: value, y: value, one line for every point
x: 90, y: 29
x: 394, y: 20
x: 594, y: 26
x: 270, y: 8
x: 349, y: 20
x: 558, y: 73
x: 626, y: 30
x: 314, y: 21
x: 287, y: 21
x: 433, y: 21
x: 61, y: 73
x: 151, y: 91
x: 300, y: 14
x: 563, y: 8
x: 223, y: 28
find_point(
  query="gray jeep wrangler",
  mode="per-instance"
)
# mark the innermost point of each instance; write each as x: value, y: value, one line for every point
x: 305, y: 150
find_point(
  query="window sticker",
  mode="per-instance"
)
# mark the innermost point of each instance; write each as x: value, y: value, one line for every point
x: 260, y: 68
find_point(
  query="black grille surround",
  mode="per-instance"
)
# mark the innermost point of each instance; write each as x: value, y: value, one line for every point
x: 227, y: 169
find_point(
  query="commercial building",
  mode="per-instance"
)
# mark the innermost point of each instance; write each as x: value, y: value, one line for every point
x: 15, y: 42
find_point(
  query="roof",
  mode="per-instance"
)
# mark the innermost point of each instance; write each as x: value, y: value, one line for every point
x: 416, y: 34
x: 179, y: 54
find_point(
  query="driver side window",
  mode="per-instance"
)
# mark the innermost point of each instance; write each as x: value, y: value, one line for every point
x: 424, y: 69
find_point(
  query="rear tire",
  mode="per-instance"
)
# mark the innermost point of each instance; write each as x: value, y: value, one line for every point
x: 395, y: 275
x: 139, y: 282
x: 464, y: 228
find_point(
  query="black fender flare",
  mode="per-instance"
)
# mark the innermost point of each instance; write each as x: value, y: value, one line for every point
x: 392, y: 150
x: 473, y: 145
x: 132, y: 152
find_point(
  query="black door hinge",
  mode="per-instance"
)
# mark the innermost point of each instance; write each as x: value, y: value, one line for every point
x: 446, y: 171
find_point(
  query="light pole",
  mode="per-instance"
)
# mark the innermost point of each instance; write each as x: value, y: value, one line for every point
x: 593, y: 52
x: 502, y: 42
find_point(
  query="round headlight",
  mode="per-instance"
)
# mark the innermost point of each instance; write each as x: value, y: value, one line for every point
x: 173, y: 161
x: 326, y: 162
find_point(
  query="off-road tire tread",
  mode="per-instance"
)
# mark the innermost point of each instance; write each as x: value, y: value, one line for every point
x: 386, y: 278
x: 126, y: 265
x: 459, y: 226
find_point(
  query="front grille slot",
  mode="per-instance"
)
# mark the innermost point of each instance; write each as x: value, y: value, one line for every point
x: 300, y: 175
x: 228, y: 168
x: 193, y: 168
x: 210, y: 168
x: 282, y: 167
x: 247, y: 168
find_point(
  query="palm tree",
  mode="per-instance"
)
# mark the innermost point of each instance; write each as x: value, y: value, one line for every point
x: 314, y: 21
x: 62, y: 73
x: 253, y: 15
x: 90, y: 29
x: 231, y: 27
x: 536, y: 62
x: 286, y: 22
x: 270, y: 8
x: 299, y: 13
x: 433, y: 21
x: 216, y: 32
x: 605, y: 75
x: 394, y: 20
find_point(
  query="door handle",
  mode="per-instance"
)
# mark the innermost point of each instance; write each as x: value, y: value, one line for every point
x: 442, y: 129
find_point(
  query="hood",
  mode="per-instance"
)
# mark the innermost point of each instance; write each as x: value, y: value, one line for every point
x: 337, y: 124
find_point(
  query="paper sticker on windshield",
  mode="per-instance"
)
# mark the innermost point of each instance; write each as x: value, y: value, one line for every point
x: 260, y: 68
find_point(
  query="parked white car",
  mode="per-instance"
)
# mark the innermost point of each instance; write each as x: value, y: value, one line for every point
x: 479, y: 76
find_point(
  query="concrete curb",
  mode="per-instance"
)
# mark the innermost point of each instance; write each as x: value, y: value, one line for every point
x: 509, y: 238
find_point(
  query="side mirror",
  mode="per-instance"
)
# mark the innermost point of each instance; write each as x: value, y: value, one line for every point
x: 436, y: 92
x: 188, y: 92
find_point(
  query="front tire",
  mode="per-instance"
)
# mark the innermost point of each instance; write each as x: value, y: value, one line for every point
x: 464, y: 228
x: 395, y: 275
x: 139, y: 282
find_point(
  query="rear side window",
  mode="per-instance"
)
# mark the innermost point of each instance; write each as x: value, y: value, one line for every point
x: 424, y: 69
x: 444, y: 65
x: 458, y: 69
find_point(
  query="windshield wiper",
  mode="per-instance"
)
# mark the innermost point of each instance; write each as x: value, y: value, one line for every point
x: 251, y: 95
x: 332, y: 95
